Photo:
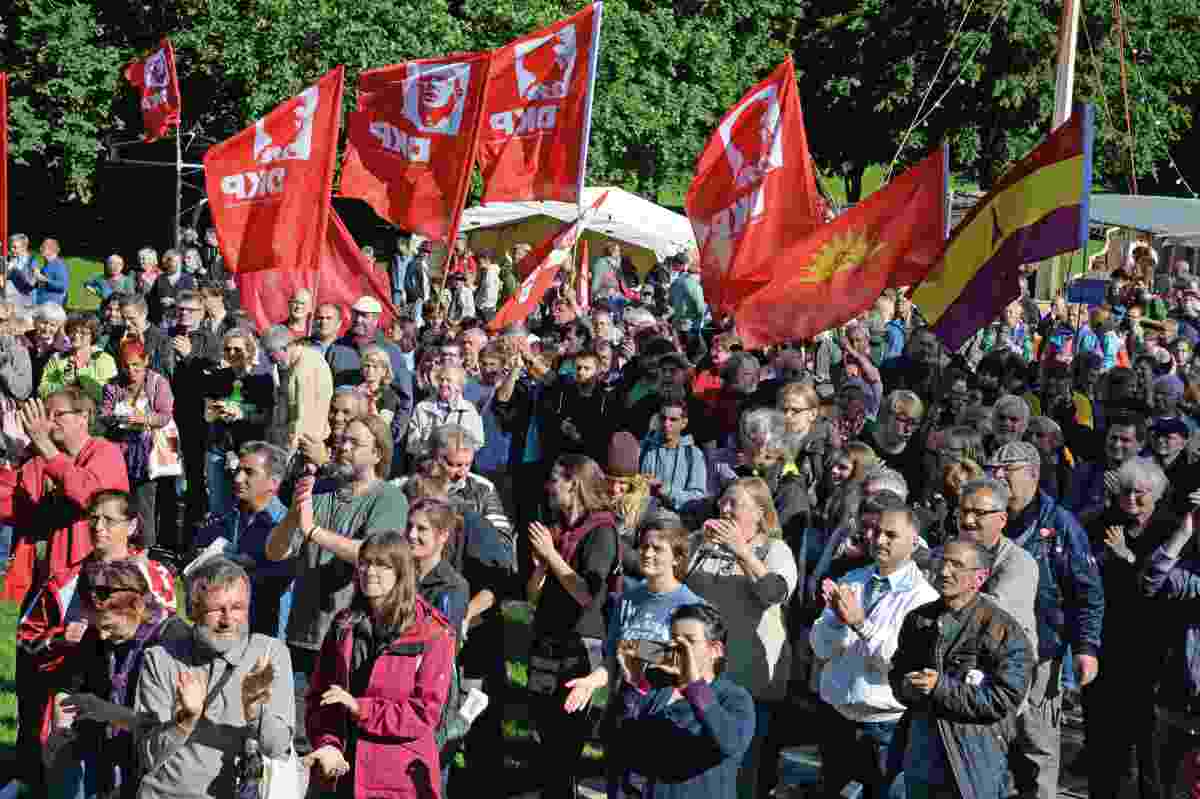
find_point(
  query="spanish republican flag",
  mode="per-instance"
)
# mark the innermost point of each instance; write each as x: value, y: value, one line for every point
x: 1038, y: 210
x: 842, y: 267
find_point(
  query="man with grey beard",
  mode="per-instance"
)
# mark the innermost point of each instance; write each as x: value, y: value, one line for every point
x: 212, y: 697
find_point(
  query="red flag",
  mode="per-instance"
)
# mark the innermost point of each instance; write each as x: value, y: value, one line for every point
x: 754, y: 194
x: 549, y: 256
x: 4, y: 164
x: 343, y: 275
x: 840, y: 269
x: 412, y: 141
x: 538, y: 112
x: 584, y: 276
x: 269, y: 185
x: 155, y: 79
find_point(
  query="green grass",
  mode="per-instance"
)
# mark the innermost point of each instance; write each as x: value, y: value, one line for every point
x: 82, y: 269
x: 8, y: 675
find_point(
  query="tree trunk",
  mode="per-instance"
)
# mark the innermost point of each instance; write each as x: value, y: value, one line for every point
x: 854, y: 183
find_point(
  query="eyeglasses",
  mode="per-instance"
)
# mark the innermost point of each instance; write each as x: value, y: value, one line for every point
x: 103, y: 593
x: 377, y: 565
x: 98, y: 520
x: 1007, y: 468
x: 976, y: 513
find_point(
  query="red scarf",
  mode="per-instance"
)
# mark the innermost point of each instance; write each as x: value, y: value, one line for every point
x: 568, y: 540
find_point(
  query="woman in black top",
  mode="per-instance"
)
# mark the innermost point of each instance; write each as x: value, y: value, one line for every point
x: 573, y: 566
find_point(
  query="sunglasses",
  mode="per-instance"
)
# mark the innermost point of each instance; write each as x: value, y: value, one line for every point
x: 103, y: 593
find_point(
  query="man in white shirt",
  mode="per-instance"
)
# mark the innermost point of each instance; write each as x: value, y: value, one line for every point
x: 855, y: 638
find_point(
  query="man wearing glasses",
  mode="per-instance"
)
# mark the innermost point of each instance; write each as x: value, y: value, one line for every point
x: 1069, y: 610
x: 1013, y: 579
x: 962, y: 666
x: 68, y: 467
x: 196, y: 352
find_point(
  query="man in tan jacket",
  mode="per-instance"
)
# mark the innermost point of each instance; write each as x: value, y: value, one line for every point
x: 304, y: 389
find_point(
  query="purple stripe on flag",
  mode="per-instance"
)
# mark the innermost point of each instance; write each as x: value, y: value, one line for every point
x: 995, y: 284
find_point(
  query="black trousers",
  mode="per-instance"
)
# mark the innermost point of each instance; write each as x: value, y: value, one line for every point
x: 1122, y: 732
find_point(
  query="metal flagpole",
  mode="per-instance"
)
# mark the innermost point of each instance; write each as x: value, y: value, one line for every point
x: 178, y: 182
x: 593, y: 59
x: 1050, y: 273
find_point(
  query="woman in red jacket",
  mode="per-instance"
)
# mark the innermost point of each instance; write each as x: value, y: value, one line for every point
x: 383, y: 675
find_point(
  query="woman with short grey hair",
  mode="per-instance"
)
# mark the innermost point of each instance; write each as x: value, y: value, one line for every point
x: 1120, y: 703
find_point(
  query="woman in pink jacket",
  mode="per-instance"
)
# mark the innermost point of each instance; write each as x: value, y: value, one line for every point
x: 383, y: 675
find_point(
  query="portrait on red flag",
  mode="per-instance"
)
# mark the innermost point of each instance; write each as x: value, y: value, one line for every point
x: 754, y: 191
x: 412, y: 139
x: 269, y: 185
x: 154, y: 77
x: 533, y: 144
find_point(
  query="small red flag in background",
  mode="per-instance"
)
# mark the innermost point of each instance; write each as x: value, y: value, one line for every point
x: 412, y: 141
x: 754, y: 193
x: 343, y: 275
x: 840, y: 269
x: 538, y: 107
x: 549, y: 257
x: 4, y: 165
x: 269, y: 186
x: 155, y: 79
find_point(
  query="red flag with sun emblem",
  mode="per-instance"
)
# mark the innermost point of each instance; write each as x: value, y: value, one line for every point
x: 754, y: 193
x: 840, y: 269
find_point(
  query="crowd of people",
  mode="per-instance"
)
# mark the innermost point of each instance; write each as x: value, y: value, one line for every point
x: 930, y: 550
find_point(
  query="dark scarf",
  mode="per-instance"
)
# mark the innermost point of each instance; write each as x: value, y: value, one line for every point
x: 111, y: 780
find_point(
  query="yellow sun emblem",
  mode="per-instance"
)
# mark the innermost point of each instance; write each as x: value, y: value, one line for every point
x: 841, y: 253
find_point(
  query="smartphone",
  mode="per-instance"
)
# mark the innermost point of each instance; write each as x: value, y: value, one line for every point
x: 655, y: 652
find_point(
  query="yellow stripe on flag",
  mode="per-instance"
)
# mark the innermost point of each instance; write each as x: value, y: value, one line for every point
x: 1052, y: 187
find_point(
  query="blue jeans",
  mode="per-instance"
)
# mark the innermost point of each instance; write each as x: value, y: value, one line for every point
x: 6, y: 535
x: 220, y: 485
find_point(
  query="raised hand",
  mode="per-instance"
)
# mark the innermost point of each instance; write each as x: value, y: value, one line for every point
x: 256, y: 686
x: 191, y: 690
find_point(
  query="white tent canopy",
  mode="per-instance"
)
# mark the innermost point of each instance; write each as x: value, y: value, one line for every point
x: 623, y: 216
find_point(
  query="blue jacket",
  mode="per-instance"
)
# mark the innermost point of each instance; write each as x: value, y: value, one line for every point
x: 1070, y: 596
x: 58, y: 278
x: 689, y: 749
x: 683, y: 471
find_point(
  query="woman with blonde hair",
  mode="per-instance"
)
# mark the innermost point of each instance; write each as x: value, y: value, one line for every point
x: 376, y: 384
x: 743, y: 567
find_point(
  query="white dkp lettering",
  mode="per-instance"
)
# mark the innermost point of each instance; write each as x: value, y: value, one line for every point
x: 150, y: 102
x: 394, y: 140
x: 253, y: 185
x: 523, y: 121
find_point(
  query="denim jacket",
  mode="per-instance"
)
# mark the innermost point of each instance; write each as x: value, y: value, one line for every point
x: 1070, y: 596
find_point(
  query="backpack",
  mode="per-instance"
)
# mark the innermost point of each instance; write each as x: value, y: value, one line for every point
x: 414, y: 281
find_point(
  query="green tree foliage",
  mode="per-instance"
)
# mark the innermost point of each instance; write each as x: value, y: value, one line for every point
x: 869, y: 64
x: 668, y: 70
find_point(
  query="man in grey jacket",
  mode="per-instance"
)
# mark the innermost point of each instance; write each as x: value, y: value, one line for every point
x: 217, y: 695
x: 981, y: 517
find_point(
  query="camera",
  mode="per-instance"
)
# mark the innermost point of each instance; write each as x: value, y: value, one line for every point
x: 655, y: 653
